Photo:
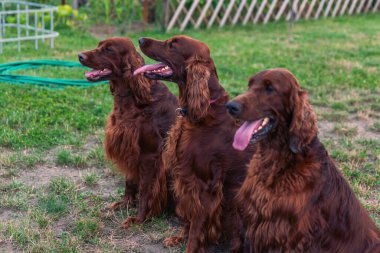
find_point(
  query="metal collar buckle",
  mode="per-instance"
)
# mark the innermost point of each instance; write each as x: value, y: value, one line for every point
x: 181, y: 112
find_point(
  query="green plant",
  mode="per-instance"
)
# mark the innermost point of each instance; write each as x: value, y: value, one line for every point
x: 87, y: 228
x: 53, y: 204
x: 90, y: 179
x: 62, y: 186
x: 64, y: 157
x: 115, y: 12
x: 67, y: 17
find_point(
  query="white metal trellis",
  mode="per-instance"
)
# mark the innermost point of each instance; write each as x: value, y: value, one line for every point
x: 22, y: 20
x: 196, y: 14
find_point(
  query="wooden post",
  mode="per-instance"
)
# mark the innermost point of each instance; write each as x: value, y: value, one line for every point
x: 145, y: 11
x: 152, y: 11
x: 166, y: 13
x: 112, y: 9
x: 291, y: 21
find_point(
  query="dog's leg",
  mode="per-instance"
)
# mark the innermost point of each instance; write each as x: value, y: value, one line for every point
x: 148, y: 174
x: 237, y: 233
x: 129, y: 197
x: 196, y: 242
x: 177, y: 239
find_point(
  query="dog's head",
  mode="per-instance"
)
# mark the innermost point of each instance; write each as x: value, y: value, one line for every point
x: 185, y: 61
x: 114, y: 58
x: 274, y: 107
x: 176, y: 55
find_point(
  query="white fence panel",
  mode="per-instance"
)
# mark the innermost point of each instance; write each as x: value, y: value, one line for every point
x: 196, y: 14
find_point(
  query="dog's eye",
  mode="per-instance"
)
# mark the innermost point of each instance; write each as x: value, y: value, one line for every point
x: 269, y: 88
x: 171, y: 44
x: 108, y: 50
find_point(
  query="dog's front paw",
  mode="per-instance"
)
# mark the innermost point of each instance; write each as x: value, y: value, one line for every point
x: 131, y: 220
x: 126, y: 201
x: 173, y: 241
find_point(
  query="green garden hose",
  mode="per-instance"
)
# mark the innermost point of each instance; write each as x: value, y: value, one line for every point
x: 52, y: 83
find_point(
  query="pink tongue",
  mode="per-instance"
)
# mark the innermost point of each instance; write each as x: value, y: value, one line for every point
x: 244, y: 134
x: 146, y: 68
x: 92, y: 73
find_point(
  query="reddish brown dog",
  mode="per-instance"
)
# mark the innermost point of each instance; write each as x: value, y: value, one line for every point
x: 293, y: 199
x: 143, y: 113
x: 207, y: 171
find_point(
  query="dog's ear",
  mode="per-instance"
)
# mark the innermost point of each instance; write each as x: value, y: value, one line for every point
x: 197, y: 92
x: 141, y: 85
x: 303, y: 126
x: 141, y: 89
x: 131, y: 62
x: 136, y: 60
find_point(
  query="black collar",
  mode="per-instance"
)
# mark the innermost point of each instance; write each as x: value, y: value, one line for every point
x: 182, y: 112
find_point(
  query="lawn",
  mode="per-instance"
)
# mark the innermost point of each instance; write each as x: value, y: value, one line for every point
x: 55, y: 182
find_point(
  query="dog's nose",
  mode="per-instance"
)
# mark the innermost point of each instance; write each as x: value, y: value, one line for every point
x: 233, y: 108
x: 141, y: 41
x: 82, y: 57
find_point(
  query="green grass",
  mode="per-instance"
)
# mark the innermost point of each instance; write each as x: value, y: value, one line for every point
x: 376, y: 127
x: 55, y: 181
x: 65, y: 157
x: 317, y: 56
x: 90, y: 179
x: 87, y: 229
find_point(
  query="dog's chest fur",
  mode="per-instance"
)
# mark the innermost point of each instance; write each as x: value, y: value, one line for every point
x: 276, y: 208
x: 128, y: 133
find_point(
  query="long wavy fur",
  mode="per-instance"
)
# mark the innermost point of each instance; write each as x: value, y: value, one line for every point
x: 140, y: 85
x: 197, y: 97
x: 169, y: 156
x: 303, y: 127
x: 123, y: 140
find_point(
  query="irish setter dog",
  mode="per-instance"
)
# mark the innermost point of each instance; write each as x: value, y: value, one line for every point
x: 206, y: 170
x: 293, y: 199
x: 142, y: 115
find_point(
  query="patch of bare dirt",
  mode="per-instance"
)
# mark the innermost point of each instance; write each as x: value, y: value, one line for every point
x: 5, y: 216
x: 8, y: 214
x: 62, y: 224
x: 103, y: 31
x: 7, y: 247
x: 133, y: 239
x: 154, y: 248
x: 5, y: 151
x: 325, y: 129
x: 359, y: 36
x: 348, y: 65
x: 362, y: 127
x: 42, y: 175
x: 94, y: 140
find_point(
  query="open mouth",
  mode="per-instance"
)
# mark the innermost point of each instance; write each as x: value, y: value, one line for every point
x: 155, y: 71
x: 98, y: 74
x: 251, y: 132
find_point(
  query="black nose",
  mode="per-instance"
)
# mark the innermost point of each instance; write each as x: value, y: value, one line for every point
x: 141, y: 41
x: 234, y: 108
x: 82, y: 57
